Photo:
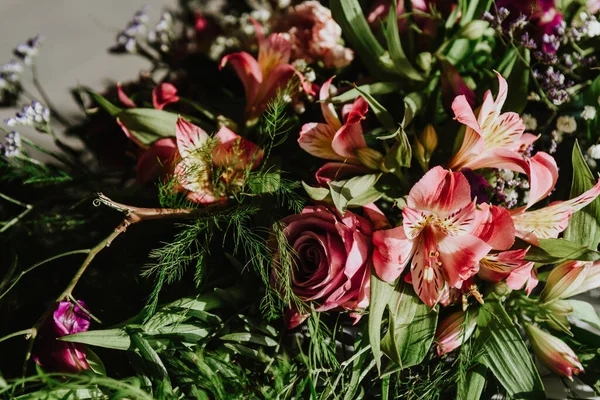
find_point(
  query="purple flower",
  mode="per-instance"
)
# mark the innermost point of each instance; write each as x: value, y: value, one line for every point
x: 479, y: 186
x: 56, y: 355
x: 545, y: 20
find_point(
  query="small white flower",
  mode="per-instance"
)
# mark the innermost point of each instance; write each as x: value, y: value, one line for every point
x: 530, y: 122
x: 506, y: 174
x: 590, y: 161
x: 588, y: 113
x: 283, y: 3
x: 566, y: 124
x: 593, y: 28
x: 594, y: 151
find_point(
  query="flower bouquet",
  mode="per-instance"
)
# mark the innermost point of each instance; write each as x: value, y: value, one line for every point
x: 303, y: 199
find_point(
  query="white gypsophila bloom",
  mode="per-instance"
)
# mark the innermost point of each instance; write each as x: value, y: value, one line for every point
x: 594, y: 151
x: 511, y: 195
x: 566, y: 124
x: 590, y: 161
x: 593, y: 28
x: 283, y: 3
x: 588, y: 113
x: 557, y: 136
x: 506, y: 174
x: 530, y: 122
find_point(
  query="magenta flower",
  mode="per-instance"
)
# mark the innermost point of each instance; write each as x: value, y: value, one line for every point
x: 56, y: 355
x: 332, y: 262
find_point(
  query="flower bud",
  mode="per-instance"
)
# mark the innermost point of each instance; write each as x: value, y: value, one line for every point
x: 553, y: 352
x: 370, y: 158
x: 429, y: 140
x: 564, y: 280
x: 474, y: 29
x: 449, y: 334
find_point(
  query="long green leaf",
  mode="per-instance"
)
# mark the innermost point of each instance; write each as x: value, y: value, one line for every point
x: 553, y: 251
x: 147, y: 124
x: 349, y: 16
x: 411, y: 327
x: 381, y: 113
x: 505, y: 353
x: 117, y: 339
x: 380, y: 294
x: 584, y: 226
x: 474, y: 384
x: 372, y: 89
x: 518, y: 82
x: 104, y: 103
x: 401, y: 63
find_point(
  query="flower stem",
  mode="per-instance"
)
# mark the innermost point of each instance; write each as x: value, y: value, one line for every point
x: 46, y: 98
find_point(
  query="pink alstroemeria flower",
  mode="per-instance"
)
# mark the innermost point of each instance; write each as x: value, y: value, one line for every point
x: 262, y: 78
x: 157, y: 159
x: 334, y: 140
x: 55, y: 355
x: 497, y: 140
x: 553, y: 352
x: 438, y: 234
x: 232, y: 154
x: 548, y: 222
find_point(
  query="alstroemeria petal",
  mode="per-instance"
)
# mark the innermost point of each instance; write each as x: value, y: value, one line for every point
x: 333, y: 171
x: 549, y: 222
x: 157, y: 160
x: 131, y: 136
x: 234, y: 151
x: 316, y: 138
x: 459, y: 256
x: 543, y: 173
x: 346, y: 140
x: 190, y: 138
x: 392, y: 253
x: 164, y: 94
x: 425, y: 269
x: 463, y: 113
x: 440, y: 191
x: 248, y: 71
x: 327, y: 109
x: 123, y: 98
x: 494, y: 226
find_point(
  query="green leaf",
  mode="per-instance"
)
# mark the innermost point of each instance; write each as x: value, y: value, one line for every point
x: 505, y: 353
x: 248, y: 352
x: 117, y: 339
x: 411, y: 327
x: 584, y: 312
x: 584, y: 226
x: 148, y: 124
x: 474, y: 384
x: 400, y: 154
x: 381, y: 292
x: 316, y: 193
x: 553, y: 251
x: 205, y: 302
x: 104, y: 103
x: 247, y: 337
x: 349, y: 16
x: 356, y: 191
x: 413, y: 103
x: 373, y: 89
x: 518, y: 83
x: 95, y: 362
x: 401, y: 63
x: 381, y: 113
x: 149, y: 354
x: 472, y: 9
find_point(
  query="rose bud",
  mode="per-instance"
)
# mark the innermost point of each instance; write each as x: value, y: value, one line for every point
x: 331, y: 261
x: 553, y: 352
x: 449, y: 334
x: 56, y: 355
x: 453, y: 85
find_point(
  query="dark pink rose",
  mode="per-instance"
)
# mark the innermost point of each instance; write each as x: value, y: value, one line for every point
x: 56, y: 355
x: 332, y: 260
